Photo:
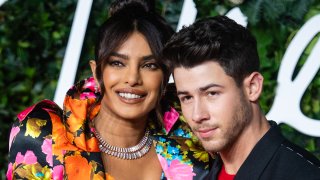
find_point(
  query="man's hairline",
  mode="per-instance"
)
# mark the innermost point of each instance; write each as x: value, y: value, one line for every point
x: 179, y: 65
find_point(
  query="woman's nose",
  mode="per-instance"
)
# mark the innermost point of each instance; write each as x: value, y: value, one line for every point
x: 133, y: 76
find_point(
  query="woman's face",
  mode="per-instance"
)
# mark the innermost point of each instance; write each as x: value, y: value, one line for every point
x: 132, y: 80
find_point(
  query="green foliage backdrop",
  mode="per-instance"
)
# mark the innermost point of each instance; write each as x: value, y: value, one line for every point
x: 34, y: 35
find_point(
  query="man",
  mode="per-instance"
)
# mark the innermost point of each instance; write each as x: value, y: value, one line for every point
x: 215, y: 66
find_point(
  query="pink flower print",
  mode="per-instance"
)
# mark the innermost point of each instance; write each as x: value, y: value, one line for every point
x: 9, y: 172
x: 57, y: 173
x: 25, y: 112
x: 169, y: 118
x: 46, y: 148
x: 176, y: 170
x: 89, y: 84
x: 28, y: 158
x: 49, y: 102
x: 86, y: 95
x: 13, y: 134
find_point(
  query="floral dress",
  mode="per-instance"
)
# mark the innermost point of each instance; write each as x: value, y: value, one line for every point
x: 47, y: 142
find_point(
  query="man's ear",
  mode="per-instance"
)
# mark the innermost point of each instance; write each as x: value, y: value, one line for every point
x: 93, y: 66
x: 253, y: 85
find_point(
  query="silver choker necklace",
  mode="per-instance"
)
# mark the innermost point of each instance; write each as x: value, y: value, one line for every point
x: 130, y: 153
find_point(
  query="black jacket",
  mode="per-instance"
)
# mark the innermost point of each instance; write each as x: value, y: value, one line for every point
x: 274, y: 158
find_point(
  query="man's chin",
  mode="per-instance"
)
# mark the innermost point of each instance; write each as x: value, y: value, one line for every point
x: 212, y: 146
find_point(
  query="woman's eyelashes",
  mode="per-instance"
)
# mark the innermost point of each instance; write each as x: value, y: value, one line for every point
x: 116, y: 63
x: 151, y: 65
x: 146, y: 65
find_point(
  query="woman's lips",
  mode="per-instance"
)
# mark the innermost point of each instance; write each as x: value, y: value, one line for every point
x: 132, y: 91
x: 131, y: 96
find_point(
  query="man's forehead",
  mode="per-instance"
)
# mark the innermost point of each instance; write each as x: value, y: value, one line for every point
x: 208, y: 74
x: 209, y: 68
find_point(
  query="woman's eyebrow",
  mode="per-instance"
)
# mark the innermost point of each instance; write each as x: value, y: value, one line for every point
x: 148, y: 58
x: 122, y: 56
x: 126, y: 57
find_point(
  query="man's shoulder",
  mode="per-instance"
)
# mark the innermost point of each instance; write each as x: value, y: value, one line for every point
x: 293, y: 162
x: 294, y: 153
x: 287, y: 150
x: 274, y: 157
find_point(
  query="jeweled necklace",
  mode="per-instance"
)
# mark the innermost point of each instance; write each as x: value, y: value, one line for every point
x: 130, y: 153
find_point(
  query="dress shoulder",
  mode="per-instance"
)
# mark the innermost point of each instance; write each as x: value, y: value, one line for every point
x: 30, y: 142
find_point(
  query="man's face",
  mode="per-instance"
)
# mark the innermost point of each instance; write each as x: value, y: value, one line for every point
x: 214, y: 106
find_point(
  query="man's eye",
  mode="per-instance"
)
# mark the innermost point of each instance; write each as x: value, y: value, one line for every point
x: 212, y: 93
x: 185, y: 99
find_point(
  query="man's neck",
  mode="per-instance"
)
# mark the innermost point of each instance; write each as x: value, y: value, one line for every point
x: 234, y: 156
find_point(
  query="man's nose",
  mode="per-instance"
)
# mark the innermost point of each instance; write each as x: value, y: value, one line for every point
x: 200, y: 112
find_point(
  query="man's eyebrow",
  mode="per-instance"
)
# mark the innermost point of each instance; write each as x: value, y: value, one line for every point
x: 126, y: 57
x: 182, y: 93
x: 201, y: 89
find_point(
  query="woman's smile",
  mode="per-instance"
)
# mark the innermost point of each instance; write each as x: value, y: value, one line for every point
x: 131, y: 96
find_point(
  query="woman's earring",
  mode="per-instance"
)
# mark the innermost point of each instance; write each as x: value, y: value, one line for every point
x: 163, y: 92
x: 96, y: 88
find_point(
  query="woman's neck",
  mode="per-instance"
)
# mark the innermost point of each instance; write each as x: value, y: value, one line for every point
x: 117, y: 131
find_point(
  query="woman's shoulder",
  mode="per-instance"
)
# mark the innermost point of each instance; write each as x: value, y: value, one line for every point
x: 34, y: 123
x: 178, y: 148
x: 39, y: 110
x: 83, y: 90
x: 182, y: 157
x: 30, y: 141
x: 176, y: 145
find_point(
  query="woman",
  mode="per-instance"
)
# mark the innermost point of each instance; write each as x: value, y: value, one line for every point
x: 111, y: 126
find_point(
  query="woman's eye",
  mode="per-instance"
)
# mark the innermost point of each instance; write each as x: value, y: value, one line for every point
x: 152, y: 66
x: 115, y: 63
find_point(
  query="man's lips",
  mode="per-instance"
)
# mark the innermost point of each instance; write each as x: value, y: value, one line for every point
x: 206, y: 133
